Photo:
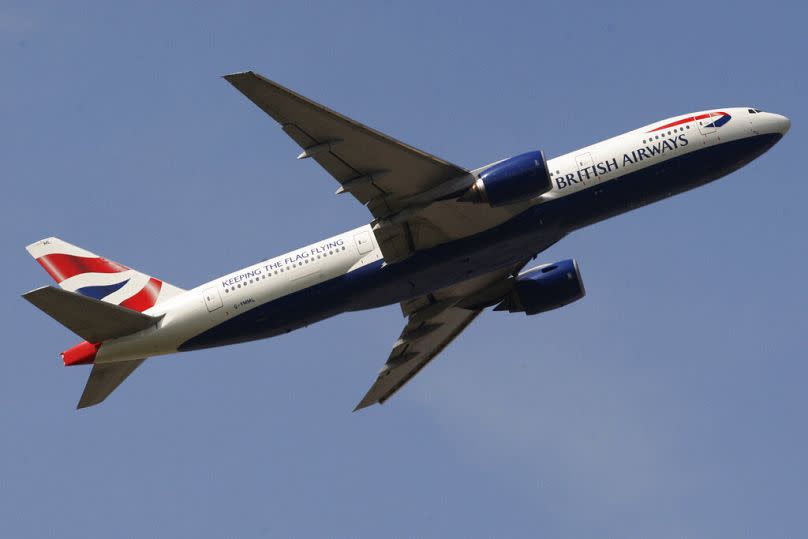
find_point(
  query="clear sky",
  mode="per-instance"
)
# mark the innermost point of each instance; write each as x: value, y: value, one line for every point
x: 670, y: 402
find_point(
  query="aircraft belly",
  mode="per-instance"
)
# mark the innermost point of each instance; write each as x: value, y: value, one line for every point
x: 370, y: 286
x: 375, y: 284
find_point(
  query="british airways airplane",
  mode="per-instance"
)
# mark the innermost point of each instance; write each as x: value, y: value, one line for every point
x: 445, y: 242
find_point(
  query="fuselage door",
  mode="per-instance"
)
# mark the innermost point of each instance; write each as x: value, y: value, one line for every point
x: 707, y: 125
x: 363, y: 242
x: 583, y: 160
x: 212, y: 299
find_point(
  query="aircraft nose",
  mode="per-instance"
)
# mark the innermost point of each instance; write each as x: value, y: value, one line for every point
x: 769, y: 122
x: 782, y: 124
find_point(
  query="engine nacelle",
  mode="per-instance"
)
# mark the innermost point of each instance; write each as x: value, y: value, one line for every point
x: 512, y: 180
x: 544, y: 288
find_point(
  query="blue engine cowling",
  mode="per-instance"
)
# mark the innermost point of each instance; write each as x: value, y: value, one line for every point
x: 512, y: 180
x: 544, y: 288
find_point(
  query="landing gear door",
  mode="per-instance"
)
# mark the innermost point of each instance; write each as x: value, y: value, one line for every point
x: 212, y: 299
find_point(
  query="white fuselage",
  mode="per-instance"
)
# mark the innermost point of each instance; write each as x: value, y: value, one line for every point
x: 586, y: 172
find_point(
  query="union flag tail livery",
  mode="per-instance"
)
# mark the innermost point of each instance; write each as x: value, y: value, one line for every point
x: 100, y: 300
x: 445, y: 242
x: 78, y: 270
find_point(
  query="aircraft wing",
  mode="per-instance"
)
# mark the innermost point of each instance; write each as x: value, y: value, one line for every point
x: 411, y: 194
x: 433, y: 322
x: 366, y: 163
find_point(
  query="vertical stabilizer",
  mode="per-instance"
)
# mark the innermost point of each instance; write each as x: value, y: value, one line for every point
x: 78, y: 270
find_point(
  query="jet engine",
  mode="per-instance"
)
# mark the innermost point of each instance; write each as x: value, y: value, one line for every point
x: 544, y: 288
x: 511, y: 180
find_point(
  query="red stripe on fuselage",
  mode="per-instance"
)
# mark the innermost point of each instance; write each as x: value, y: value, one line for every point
x: 687, y: 120
x: 62, y: 266
x: 146, y: 298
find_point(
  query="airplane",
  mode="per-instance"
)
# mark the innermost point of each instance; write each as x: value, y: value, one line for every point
x: 445, y: 242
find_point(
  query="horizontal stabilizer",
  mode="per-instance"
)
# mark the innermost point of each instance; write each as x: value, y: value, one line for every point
x: 92, y: 320
x: 104, y: 378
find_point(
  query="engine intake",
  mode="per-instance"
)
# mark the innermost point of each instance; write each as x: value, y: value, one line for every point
x: 515, y: 179
x: 544, y: 288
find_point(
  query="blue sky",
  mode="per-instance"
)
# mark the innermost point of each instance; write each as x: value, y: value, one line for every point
x: 670, y: 402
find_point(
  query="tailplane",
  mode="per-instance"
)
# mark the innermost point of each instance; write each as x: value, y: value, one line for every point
x: 96, y: 322
x: 91, y: 319
x: 103, y: 380
x: 78, y: 270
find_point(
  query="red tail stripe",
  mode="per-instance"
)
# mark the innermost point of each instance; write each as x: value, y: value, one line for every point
x: 146, y: 298
x: 62, y: 266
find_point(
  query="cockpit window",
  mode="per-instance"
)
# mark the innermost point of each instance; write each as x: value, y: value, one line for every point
x: 754, y: 111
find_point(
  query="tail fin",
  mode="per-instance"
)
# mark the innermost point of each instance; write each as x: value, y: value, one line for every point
x: 78, y: 270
